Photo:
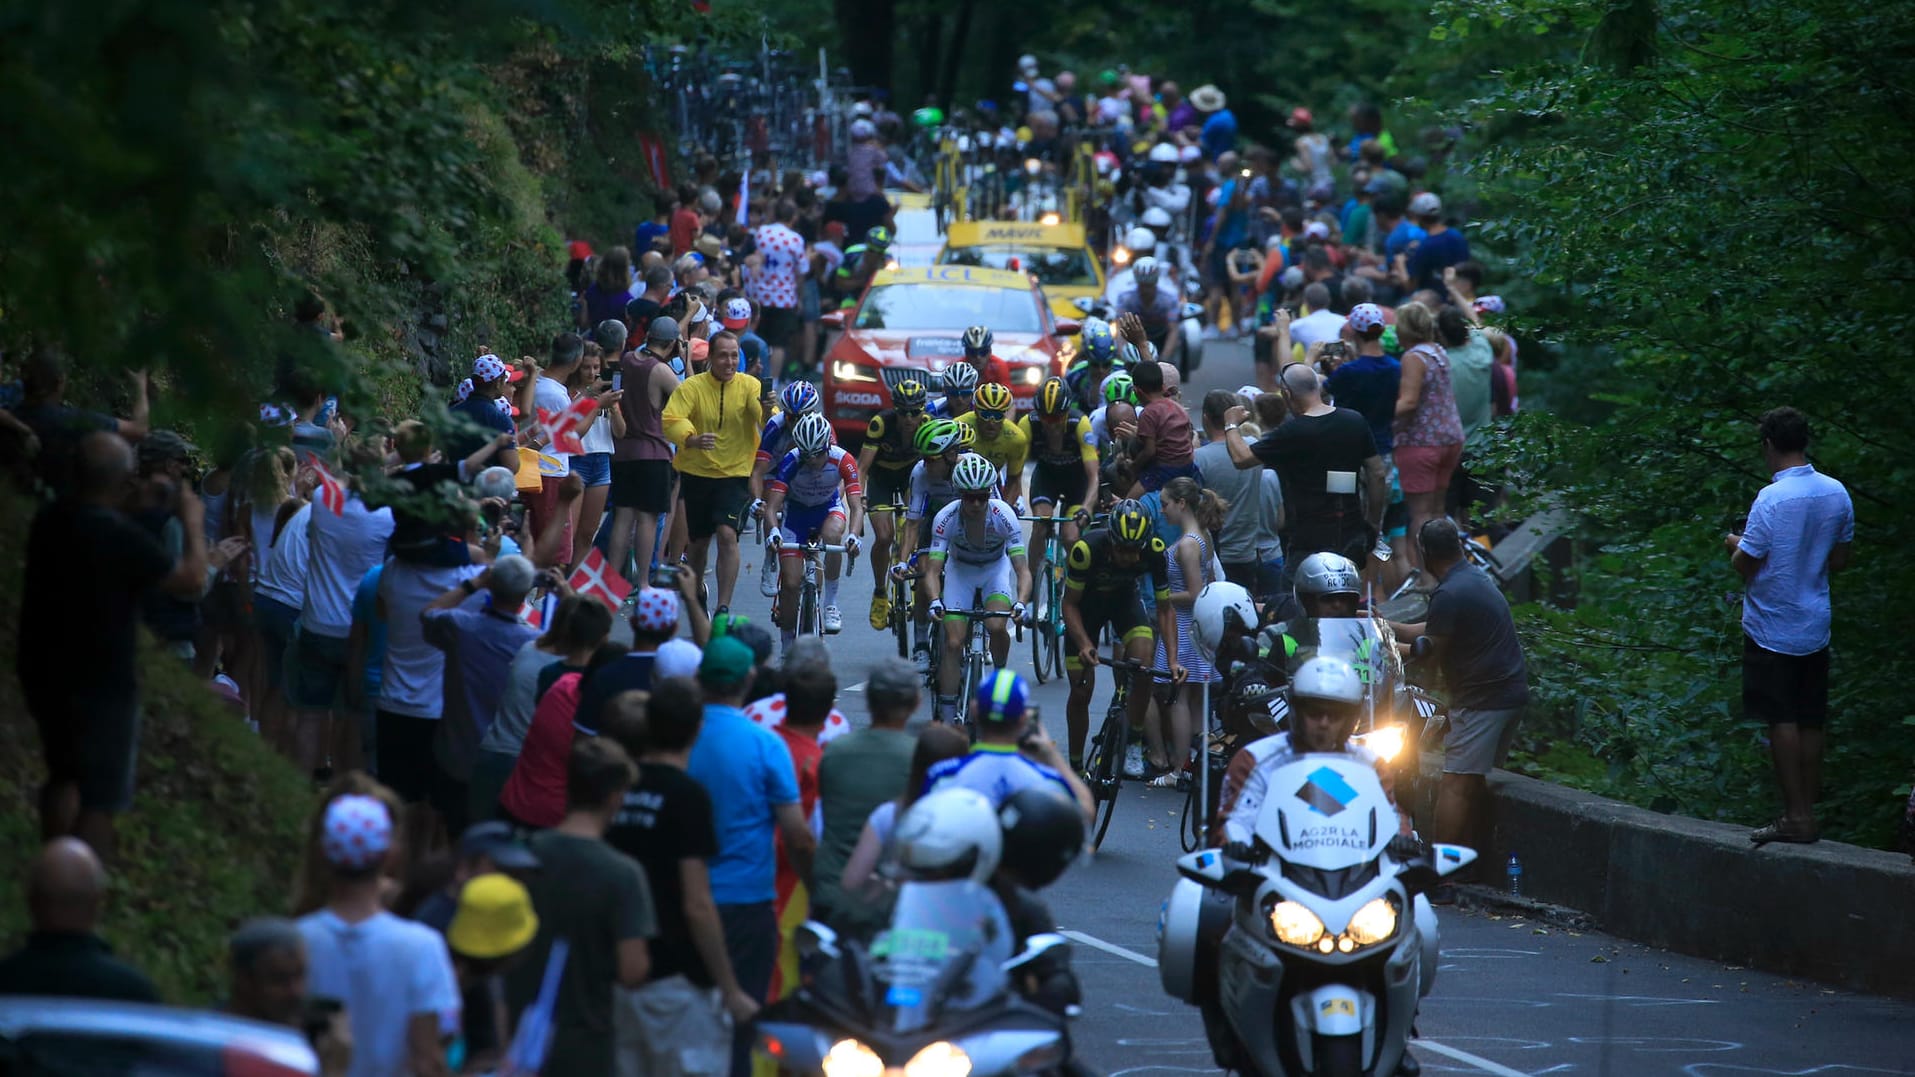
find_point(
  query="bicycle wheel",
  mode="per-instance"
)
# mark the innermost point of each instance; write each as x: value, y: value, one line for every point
x: 1105, y: 768
x: 1054, y: 631
x: 901, y: 616
x: 1040, y: 631
x: 809, y: 623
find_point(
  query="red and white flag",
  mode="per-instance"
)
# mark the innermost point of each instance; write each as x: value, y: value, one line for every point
x: 330, y: 491
x: 564, y: 430
x: 595, y: 579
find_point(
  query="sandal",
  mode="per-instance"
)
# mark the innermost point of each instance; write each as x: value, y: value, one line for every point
x: 1782, y: 832
x: 1170, y: 779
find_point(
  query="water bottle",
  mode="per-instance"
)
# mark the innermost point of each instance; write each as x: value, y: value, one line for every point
x: 1515, y: 873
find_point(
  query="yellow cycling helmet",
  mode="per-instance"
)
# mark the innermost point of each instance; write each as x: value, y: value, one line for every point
x: 909, y: 396
x: 993, y: 397
x: 1130, y: 524
x: 1053, y: 397
x: 967, y: 436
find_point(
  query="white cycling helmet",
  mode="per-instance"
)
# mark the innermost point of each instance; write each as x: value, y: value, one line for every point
x: 960, y: 378
x: 1140, y: 240
x: 1211, y: 616
x: 1328, y: 680
x: 811, y: 434
x: 1163, y: 153
x: 1323, y: 574
x: 973, y: 473
x: 1145, y: 271
x: 950, y: 834
x: 1157, y: 217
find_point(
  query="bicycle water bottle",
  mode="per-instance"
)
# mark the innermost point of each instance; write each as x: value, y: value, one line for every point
x: 1515, y: 873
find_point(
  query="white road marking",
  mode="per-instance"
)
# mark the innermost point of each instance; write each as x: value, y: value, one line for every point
x: 859, y: 687
x: 1458, y: 1055
x: 1096, y: 943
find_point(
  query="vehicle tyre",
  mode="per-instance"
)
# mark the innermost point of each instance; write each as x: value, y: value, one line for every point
x: 1338, y: 1056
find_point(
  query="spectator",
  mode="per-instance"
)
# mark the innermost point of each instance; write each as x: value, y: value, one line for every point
x: 1471, y: 358
x: 593, y: 381
x: 394, y: 976
x: 749, y: 775
x: 860, y: 895
x: 862, y: 770
x: 1010, y: 754
x: 809, y: 689
x: 1219, y: 134
x: 1440, y: 248
x: 642, y: 474
x: 667, y: 826
x: 597, y: 899
x: 654, y: 233
x: 685, y: 224
x: 60, y: 428
x: 430, y: 517
x: 1368, y: 384
x: 1320, y: 325
x: 165, y: 463
x: 365, y: 661
x: 654, y: 620
x: 63, y: 955
x: 87, y: 565
x: 551, y: 397
x: 1428, y: 431
x: 479, y: 419
x: 1798, y: 531
x: 611, y: 289
x: 534, y: 794
x: 343, y: 548
x: 267, y: 961
x: 650, y: 302
x: 571, y: 630
x: 768, y: 711
x: 485, y: 848
x: 492, y: 925
x: 1164, y: 450
x: 776, y: 270
x: 1473, y: 638
x: 715, y: 424
x: 1248, y: 541
x: 865, y: 205
x: 279, y: 595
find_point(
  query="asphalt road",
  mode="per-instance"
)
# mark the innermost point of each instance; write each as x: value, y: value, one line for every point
x: 1512, y: 996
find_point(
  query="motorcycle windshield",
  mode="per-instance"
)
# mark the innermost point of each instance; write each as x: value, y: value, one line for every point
x: 944, y: 951
x: 1358, y: 641
x: 1328, y: 812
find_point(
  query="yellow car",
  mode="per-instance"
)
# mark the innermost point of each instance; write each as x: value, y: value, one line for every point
x: 1056, y: 255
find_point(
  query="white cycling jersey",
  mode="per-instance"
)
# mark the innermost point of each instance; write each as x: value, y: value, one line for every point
x: 998, y: 536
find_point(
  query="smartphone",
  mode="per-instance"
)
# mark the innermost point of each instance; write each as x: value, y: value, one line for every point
x: 315, y: 1016
x: 618, y: 380
x: 665, y: 577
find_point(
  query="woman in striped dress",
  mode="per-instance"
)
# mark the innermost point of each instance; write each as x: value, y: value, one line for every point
x: 1197, y: 513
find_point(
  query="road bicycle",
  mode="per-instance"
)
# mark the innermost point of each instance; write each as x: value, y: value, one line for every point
x: 810, y: 608
x: 1104, y: 762
x: 976, y: 655
x: 1047, y: 598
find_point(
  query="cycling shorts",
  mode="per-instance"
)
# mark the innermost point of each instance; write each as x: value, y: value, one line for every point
x: 883, y: 485
x: 801, y: 523
x: 1124, y: 613
x: 963, y: 581
x: 1061, y: 486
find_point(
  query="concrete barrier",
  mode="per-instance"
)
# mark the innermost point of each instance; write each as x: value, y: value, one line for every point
x: 1828, y: 911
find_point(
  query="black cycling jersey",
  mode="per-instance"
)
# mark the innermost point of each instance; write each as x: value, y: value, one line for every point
x: 895, y: 451
x: 1074, y: 443
x: 1094, y: 569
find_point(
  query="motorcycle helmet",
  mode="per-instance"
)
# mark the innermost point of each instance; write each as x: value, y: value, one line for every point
x: 1145, y: 271
x: 1043, y: 833
x: 1222, y: 609
x: 1120, y: 388
x: 1141, y: 241
x: 973, y: 473
x: 1327, y: 680
x: 993, y: 397
x: 977, y: 341
x: 1324, y: 574
x: 908, y: 395
x: 811, y: 435
x: 937, y: 437
x: 1157, y: 218
x: 1053, y: 397
x: 800, y: 397
x: 1130, y: 524
x: 960, y: 378
x: 950, y: 833
x: 1163, y: 153
x: 1096, y: 343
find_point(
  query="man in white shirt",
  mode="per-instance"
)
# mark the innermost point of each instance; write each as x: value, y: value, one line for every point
x: 1798, y: 531
x: 1321, y: 324
x: 548, y: 394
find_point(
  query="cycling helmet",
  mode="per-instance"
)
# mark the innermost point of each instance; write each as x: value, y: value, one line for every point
x: 993, y: 397
x: 1001, y: 697
x: 878, y: 239
x: 811, y: 435
x: 928, y: 117
x: 967, y: 436
x: 1140, y: 240
x: 1163, y: 153
x: 977, y: 340
x: 909, y: 395
x: 800, y: 397
x: 973, y: 473
x: 1043, y: 834
x: 1119, y: 388
x: 1097, y: 343
x: 1327, y: 680
x: 1222, y: 609
x: 1156, y: 218
x: 1324, y: 574
x: 1053, y: 397
x: 961, y: 378
x: 1130, y: 524
x: 950, y: 833
x: 1145, y: 271
x: 937, y: 437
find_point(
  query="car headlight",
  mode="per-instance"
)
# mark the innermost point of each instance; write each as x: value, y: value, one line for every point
x: 845, y: 370
x: 1031, y: 375
x: 849, y: 1058
x: 940, y: 1059
x: 1372, y: 923
x: 1295, y: 925
x: 1385, y: 741
x: 1049, y: 220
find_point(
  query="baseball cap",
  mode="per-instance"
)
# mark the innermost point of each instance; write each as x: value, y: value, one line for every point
x: 662, y: 328
x: 488, y: 367
x: 676, y: 658
x: 461, y: 391
x: 1172, y: 379
x: 756, y: 637
x: 656, y: 611
x: 699, y: 350
x: 1425, y: 204
x: 496, y: 842
x: 579, y: 250
x: 494, y: 918
x: 726, y: 662
x: 736, y: 314
x: 1377, y: 185
x: 1316, y: 230
x: 356, y: 832
x: 1365, y: 316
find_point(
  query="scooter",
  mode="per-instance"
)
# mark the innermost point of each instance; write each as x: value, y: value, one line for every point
x: 1308, y: 949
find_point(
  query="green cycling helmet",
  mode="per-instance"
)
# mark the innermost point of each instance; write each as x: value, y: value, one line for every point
x: 928, y: 117
x: 1120, y: 388
x: 938, y: 436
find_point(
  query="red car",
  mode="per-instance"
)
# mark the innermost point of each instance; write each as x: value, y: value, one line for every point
x: 909, y: 325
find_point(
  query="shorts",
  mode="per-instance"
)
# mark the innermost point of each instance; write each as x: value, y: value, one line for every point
x: 1425, y: 469
x: 710, y: 504
x: 316, y: 671
x: 1124, y: 613
x: 404, y: 746
x: 1217, y: 266
x: 810, y: 308
x: 1260, y: 578
x: 1396, y: 514
x: 1781, y: 689
x: 801, y: 523
x: 277, y: 623
x: 964, y: 580
x: 645, y: 485
x: 90, y: 742
x: 1062, y: 486
x: 1156, y: 475
x: 595, y: 468
x: 777, y: 325
x: 887, y: 485
x: 540, y: 504
x: 1478, y: 740
x: 670, y: 1028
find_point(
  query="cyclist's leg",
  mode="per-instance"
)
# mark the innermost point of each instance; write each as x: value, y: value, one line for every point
x: 797, y: 527
x: 831, y: 532
x: 1139, y: 644
x: 955, y: 632
x: 1083, y: 682
x: 997, y: 597
x: 884, y: 529
x: 920, y: 617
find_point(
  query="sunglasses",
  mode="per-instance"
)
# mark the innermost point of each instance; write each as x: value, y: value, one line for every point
x: 912, y: 413
x: 975, y: 496
x: 996, y: 416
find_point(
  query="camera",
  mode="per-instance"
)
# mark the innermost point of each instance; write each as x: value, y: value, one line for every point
x: 665, y: 577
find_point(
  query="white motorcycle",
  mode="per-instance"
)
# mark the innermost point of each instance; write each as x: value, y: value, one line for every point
x: 1309, y: 950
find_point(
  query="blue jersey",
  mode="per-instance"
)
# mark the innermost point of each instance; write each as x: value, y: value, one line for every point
x: 775, y: 441
x: 998, y: 771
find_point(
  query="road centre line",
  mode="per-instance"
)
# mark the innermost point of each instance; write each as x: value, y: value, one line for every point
x: 1096, y: 943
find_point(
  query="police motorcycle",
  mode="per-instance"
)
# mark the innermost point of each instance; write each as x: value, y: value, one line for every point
x: 1308, y: 941
x: 966, y: 979
x: 1141, y: 243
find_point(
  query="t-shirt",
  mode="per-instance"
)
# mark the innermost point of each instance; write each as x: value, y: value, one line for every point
x: 769, y: 713
x: 550, y: 395
x: 1401, y: 238
x: 385, y: 970
x: 684, y: 230
x: 1246, y: 525
x: 595, y: 897
x: 534, y: 794
x: 1795, y: 523
x: 1168, y: 422
x: 63, y: 964
x: 603, y: 304
x: 282, y: 577
x: 632, y: 673
x: 479, y: 646
x: 1368, y: 385
x: 343, y: 548
x: 1437, y: 252
x: 365, y: 610
x: 646, y: 232
x: 413, y: 680
x: 1219, y: 133
x: 667, y: 818
x: 1470, y: 364
x: 775, y: 284
x: 1315, y: 327
x: 513, y: 719
x: 1482, y: 658
x: 86, y: 569
x: 748, y: 772
x: 482, y: 412
x: 858, y: 772
x: 1314, y: 455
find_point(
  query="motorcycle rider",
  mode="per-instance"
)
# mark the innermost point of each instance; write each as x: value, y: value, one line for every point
x: 1328, y: 585
x: 1156, y: 306
x: 861, y: 262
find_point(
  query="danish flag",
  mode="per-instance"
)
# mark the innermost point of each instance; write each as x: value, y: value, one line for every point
x: 563, y: 430
x: 332, y: 492
x: 594, y: 578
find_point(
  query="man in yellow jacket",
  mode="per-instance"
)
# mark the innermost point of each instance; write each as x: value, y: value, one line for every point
x: 714, y: 418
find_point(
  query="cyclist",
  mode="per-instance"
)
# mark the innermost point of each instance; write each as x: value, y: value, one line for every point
x: 940, y: 442
x: 998, y: 440
x: 795, y: 400
x: 960, y: 386
x: 1118, y: 388
x: 1097, y: 348
x: 1100, y: 588
x: 977, y: 352
x: 813, y: 484
x: 886, y: 460
x: 861, y: 262
x: 1156, y: 307
x: 1066, y: 475
x: 977, y: 548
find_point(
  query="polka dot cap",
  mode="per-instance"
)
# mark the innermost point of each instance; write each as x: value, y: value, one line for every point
x: 357, y: 832
x: 462, y: 391
x: 769, y: 712
x: 1365, y: 316
x: 656, y: 611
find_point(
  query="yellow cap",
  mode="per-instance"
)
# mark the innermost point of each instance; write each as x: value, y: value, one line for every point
x: 494, y: 918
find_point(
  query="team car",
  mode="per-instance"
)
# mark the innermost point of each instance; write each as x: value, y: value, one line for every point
x: 1055, y: 255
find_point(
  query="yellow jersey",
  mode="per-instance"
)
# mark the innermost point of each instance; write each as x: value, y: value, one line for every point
x: 1006, y: 452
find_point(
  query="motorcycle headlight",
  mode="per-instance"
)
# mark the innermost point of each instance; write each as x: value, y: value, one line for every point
x: 849, y: 1058
x: 1373, y: 923
x: 845, y: 370
x: 1386, y: 741
x: 940, y: 1059
x: 1294, y: 924
x: 1120, y: 256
